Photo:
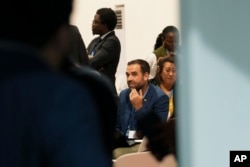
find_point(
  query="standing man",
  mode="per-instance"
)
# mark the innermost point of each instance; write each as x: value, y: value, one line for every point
x: 104, y: 51
x: 46, y: 119
x: 136, y: 101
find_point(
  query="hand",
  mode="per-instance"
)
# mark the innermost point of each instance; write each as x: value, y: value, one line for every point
x: 136, y: 98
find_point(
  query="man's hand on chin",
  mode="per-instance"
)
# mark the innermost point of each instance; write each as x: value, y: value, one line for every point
x: 136, y: 98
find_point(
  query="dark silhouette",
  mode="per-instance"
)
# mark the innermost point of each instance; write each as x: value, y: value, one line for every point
x: 105, y: 98
x: 161, y: 135
x: 46, y: 118
x: 78, y: 52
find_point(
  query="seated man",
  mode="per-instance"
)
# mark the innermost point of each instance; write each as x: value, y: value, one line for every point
x: 140, y: 98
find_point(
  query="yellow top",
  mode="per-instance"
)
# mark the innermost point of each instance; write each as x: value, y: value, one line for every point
x: 170, y: 107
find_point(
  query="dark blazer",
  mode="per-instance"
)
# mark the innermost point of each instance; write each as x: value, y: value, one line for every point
x: 106, y: 56
x: 156, y: 83
x: 46, y: 119
x: 155, y: 100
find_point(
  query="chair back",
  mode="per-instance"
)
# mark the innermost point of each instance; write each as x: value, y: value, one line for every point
x: 144, y: 159
x: 139, y: 159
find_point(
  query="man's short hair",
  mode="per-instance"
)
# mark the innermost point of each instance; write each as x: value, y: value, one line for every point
x: 145, y: 68
x: 108, y: 17
x: 33, y: 22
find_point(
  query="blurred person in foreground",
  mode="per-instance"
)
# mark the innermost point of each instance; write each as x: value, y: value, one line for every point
x: 78, y: 52
x: 46, y: 119
x: 161, y: 136
x: 105, y: 99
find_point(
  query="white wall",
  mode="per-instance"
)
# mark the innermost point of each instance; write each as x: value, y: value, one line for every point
x: 215, y: 81
x: 144, y: 20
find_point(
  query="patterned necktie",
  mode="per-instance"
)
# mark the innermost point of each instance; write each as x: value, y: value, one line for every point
x: 93, y: 50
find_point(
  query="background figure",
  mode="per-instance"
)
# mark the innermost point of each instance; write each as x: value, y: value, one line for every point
x: 152, y: 58
x: 165, y: 79
x: 170, y: 42
x: 104, y: 51
x: 78, y: 53
x: 166, y: 44
x: 158, y: 41
x: 152, y: 61
x: 46, y: 118
x: 121, y: 84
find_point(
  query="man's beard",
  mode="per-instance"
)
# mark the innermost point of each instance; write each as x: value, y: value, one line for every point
x: 136, y: 86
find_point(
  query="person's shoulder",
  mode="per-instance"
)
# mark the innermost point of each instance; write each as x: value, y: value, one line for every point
x: 54, y: 83
x: 73, y: 29
x: 157, y: 90
x: 159, y: 48
x: 46, y: 90
x: 124, y: 92
x: 89, y: 73
x: 151, y: 57
x: 93, y: 79
x: 112, y: 37
x: 152, y: 85
x: 94, y: 39
x: 153, y: 81
x: 73, y: 26
x: 67, y: 94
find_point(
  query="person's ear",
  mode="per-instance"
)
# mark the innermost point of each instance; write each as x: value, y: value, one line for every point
x: 146, y: 75
x: 106, y: 27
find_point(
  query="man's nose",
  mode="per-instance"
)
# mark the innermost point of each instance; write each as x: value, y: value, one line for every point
x: 129, y: 78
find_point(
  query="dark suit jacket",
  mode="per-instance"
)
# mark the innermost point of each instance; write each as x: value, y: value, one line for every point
x: 154, y: 82
x: 107, y: 55
x: 155, y: 100
x: 46, y: 119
